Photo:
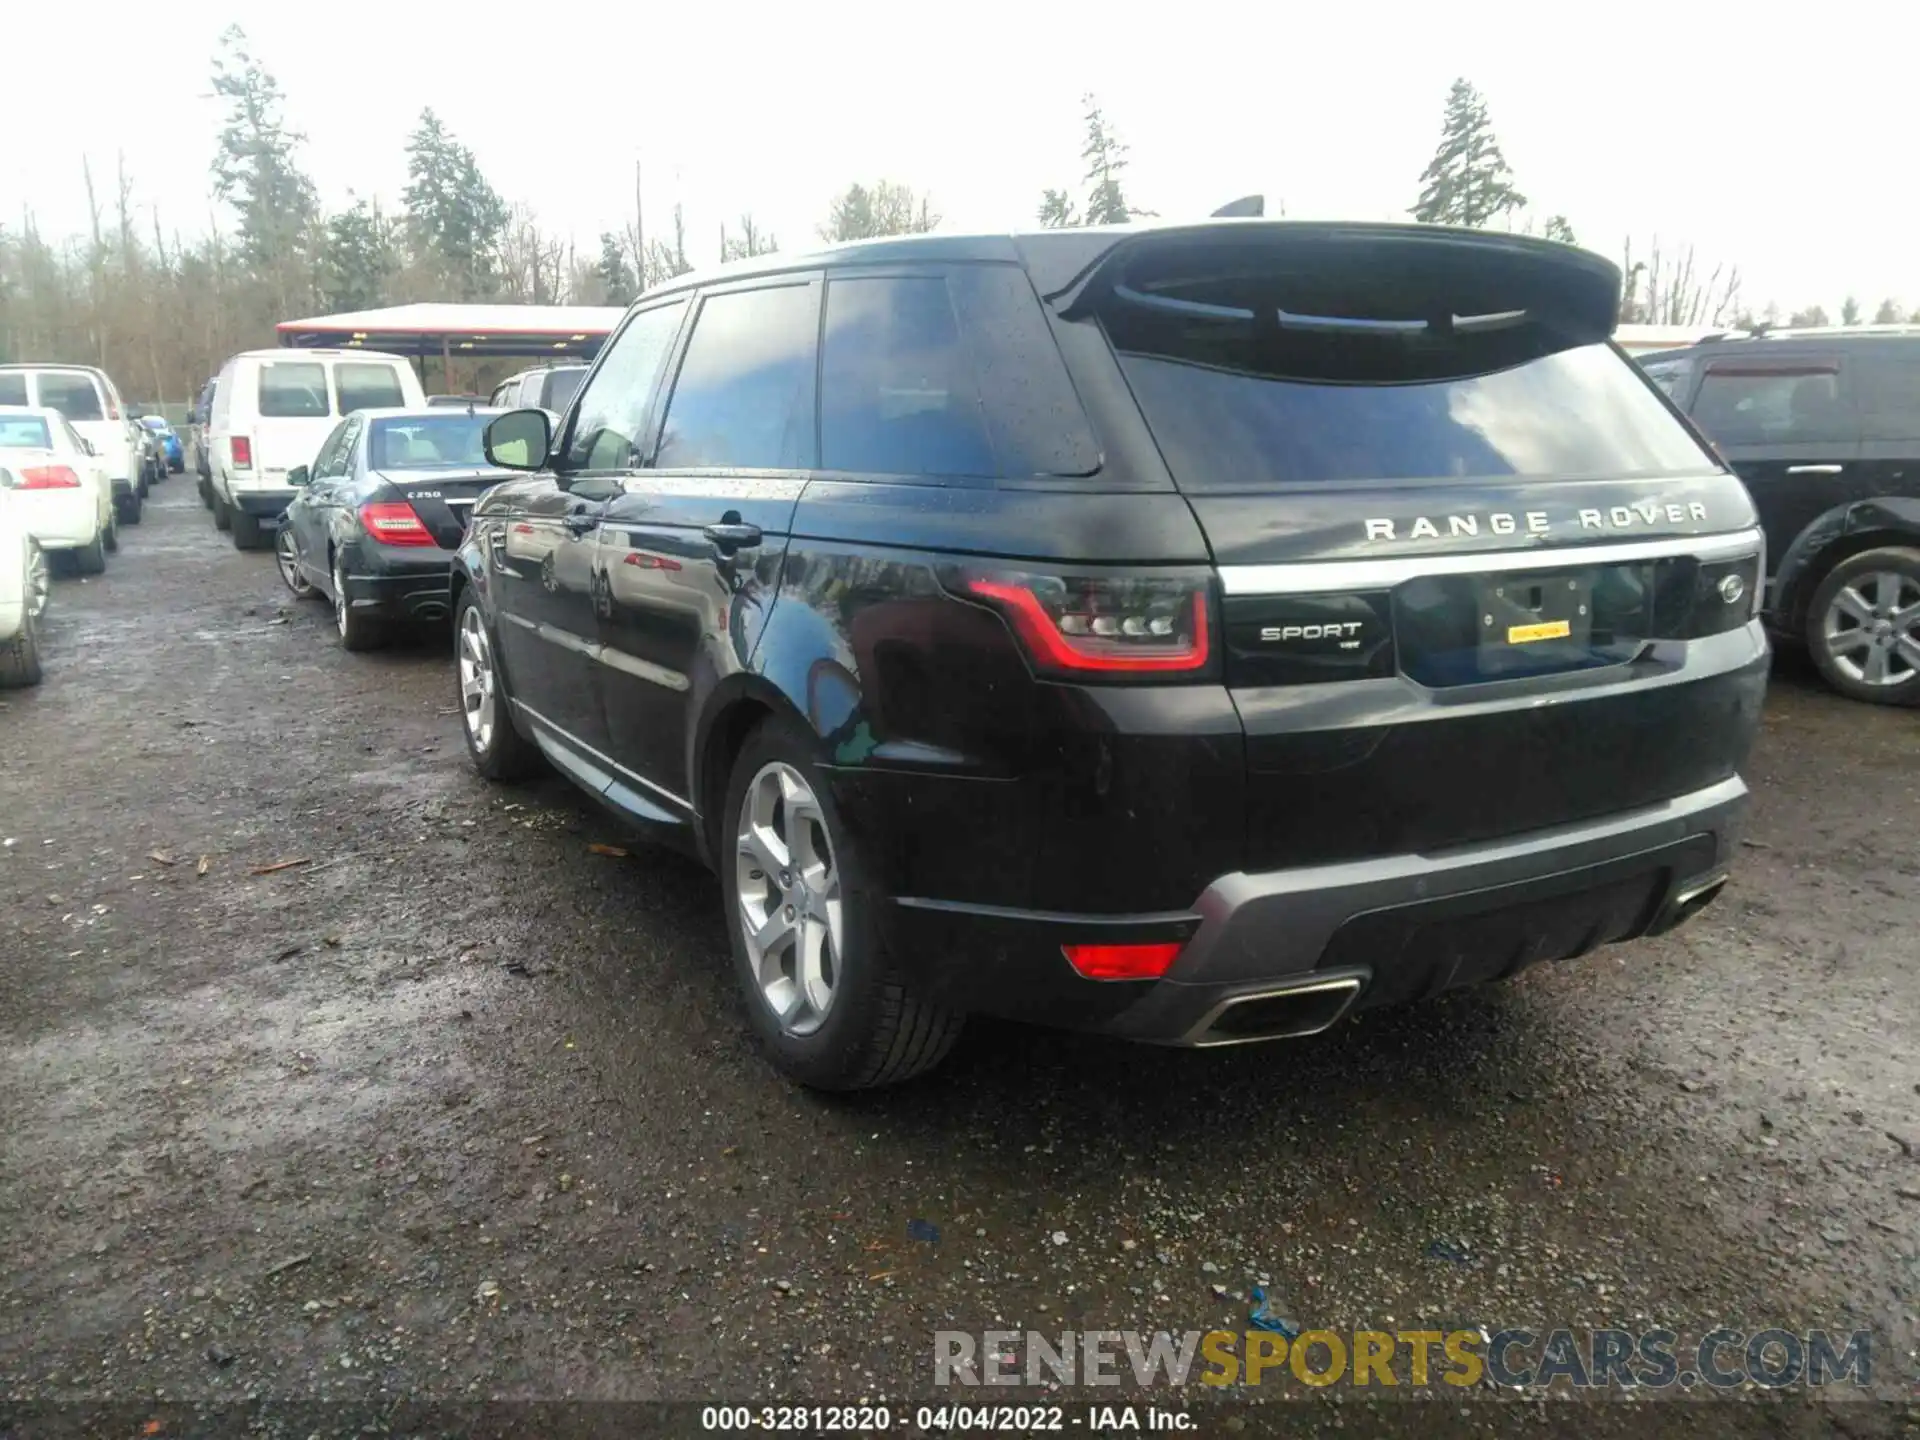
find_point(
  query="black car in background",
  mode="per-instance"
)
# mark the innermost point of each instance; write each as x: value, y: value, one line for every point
x: 1824, y: 428
x: 1189, y: 633
x: 379, y: 513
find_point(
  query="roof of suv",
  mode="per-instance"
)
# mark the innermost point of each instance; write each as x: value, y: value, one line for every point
x: 1056, y: 258
x: 1827, y: 337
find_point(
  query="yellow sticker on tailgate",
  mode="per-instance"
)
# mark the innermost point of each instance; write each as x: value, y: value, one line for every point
x: 1545, y: 630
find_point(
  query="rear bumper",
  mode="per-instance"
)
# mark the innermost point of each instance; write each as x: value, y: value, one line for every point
x: 1287, y: 952
x: 409, y: 591
x: 263, y: 504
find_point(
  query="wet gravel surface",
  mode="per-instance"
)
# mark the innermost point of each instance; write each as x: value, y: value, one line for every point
x: 456, y: 1108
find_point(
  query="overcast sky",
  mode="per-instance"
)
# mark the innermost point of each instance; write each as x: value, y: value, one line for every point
x: 1775, y: 139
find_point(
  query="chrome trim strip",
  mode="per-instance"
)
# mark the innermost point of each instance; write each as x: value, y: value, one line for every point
x: 1197, y: 1035
x: 614, y: 765
x: 643, y: 669
x: 1314, y: 577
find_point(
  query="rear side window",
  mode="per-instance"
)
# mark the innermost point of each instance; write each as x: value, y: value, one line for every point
x: 1226, y: 423
x: 24, y: 432
x: 745, y: 392
x: 74, y: 396
x: 13, y: 388
x: 293, y: 389
x: 1776, y: 402
x: 1889, y: 390
x: 898, y: 395
x: 1669, y: 375
x: 367, y: 387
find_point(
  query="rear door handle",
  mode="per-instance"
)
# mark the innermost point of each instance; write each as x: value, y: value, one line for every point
x: 733, y: 534
x: 1815, y: 469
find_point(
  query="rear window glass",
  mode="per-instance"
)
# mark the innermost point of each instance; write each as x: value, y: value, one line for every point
x: 898, y: 393
x: 367, y: 387
x: 1778, y: 403
x: 562, y: 386
x: 74, y: 396
x: 24, y: 432
x: 1225, y: 422
x: 293, y: 390
x: 427, y: 442
x: 13, y: 389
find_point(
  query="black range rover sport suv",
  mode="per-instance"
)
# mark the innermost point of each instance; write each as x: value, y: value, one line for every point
x: 1190, y: 633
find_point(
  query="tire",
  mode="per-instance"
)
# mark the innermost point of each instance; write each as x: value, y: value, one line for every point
x: 110, y: 537
x: 858, y: 1025
x: 128, y: 508
x: 1863, y: 626
x: 498, y: 751
x: 287, y: 556
x: 205, y: 486
x: 92, y: 559
x: 248, y: 532
x: 359, y: 631
x: 222, y: 513
x: 20, y: 656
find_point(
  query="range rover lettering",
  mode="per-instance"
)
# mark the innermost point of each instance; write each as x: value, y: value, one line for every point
x: 1188, y: 633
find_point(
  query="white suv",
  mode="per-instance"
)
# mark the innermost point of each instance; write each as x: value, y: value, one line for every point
x: 87, y: 398
x: 271, y: 411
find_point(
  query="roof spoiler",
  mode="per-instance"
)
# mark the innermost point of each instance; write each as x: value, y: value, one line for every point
x: 1247, y: 206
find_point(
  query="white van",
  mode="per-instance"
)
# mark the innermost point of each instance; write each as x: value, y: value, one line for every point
x: 92, y: 406
x: 271, y: 411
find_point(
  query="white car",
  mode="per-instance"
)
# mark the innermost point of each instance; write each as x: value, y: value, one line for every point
x: 271, y: 411
x: 60, y: 490
x: 87, y: 397
x: 23, y: 592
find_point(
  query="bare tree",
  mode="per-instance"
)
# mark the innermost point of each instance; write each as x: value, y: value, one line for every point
x: 1672, y: 289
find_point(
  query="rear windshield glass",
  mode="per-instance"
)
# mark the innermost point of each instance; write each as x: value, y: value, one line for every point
x: 24, y: 432
x: 1226, y: 423
x: 562, y: 386
x: 13, y: 389
x: 293, y: 390
x: 72, y: 395
x: 367, y: 387
x: 427, y: 442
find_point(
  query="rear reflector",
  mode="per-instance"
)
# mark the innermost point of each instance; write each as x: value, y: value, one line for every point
x: 242, y: 453
x: 48, y: 477
x: 394, y: 522
x: 1122, y: 962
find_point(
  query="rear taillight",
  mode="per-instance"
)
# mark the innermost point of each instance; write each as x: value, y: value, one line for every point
x: 48, y: 477
x: 242, y: 453
x: 1122, y: 962
x: 1093, y: 625
x: 395, y: 522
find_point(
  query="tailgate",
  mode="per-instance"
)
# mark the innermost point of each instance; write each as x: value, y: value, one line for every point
x: 1471, y: 566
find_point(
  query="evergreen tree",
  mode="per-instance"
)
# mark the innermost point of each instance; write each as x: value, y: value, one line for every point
x: 1106, y: 159
x: 455, y: 219
x: 1467, y: 182
x: 1811, y: 317
x: 614, y: 273
x: 1850, y: 311
x: 255, y: 169
x: 888, y: 208
x: 1057, y: 211
x: 358, y: 258
x: 1557, y: 228
x: 1888, y: 313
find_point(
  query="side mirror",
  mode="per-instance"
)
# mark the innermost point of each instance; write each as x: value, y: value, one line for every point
x: 520, y: 439
x: 299, y: 475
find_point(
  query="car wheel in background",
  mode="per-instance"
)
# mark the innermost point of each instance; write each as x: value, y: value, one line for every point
x: 358, y: 630
x: 288, y: 555
x: 824, y: 999
x: 109, y: 538
x: 91, y: 559
x: 206, y: 492
x: 222, y: 513
x: 498, y: 751
x: 20, y: 656
x: 128, y: 508
x: 1863, y: 627
x: 248, y: 532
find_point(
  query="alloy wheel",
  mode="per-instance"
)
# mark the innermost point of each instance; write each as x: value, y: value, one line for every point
x: 37, y: 587
x: 1872, y: 628
x: 478, y: 690
x: 790, y: 901
x: 340, y: 597
x: 288, y: 555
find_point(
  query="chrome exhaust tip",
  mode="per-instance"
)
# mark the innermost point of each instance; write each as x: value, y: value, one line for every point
x: 1289, y: 1011
x: 1688, y: 902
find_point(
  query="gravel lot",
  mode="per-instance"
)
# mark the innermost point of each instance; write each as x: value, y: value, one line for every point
x: 458, y: 1108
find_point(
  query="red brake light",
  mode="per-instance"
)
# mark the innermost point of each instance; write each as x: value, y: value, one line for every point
x: 1090, y: 625
x: 1122, y: 962
x: 242, y: 453
x: 48, y: 477
x: 395, y: 522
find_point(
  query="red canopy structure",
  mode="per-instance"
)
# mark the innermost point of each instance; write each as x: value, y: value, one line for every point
x: 455, y: 332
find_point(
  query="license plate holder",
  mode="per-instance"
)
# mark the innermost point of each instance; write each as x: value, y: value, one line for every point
x: 1535, y: 620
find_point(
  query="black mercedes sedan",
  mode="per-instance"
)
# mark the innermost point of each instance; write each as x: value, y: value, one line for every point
x: 379, y: 513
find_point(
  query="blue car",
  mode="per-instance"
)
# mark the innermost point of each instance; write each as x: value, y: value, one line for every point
x: 169, y: 442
